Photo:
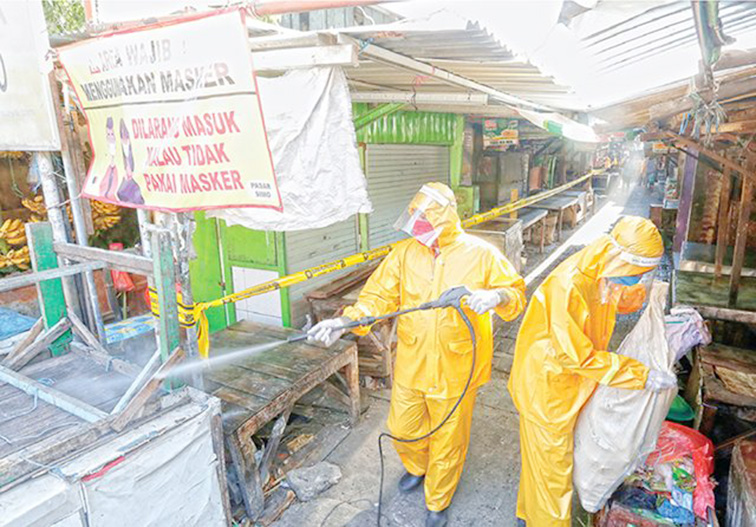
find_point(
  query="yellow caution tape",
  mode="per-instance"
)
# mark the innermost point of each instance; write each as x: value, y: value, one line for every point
x: 191, y: 315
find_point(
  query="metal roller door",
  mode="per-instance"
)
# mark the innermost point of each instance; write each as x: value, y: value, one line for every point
x: 305, y: 249
x: 394, y: 174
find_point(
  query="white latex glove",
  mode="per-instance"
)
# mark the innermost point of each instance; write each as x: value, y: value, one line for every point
x: 328, y: 331
x: 659, y: 381
x: 483, y: 300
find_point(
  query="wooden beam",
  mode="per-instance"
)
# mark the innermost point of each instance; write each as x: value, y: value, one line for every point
x: 164, y: 272
x: 737, y: 127
x: 23, y: 280
x: 121, y: 420
x: 120, y: 260
x: 298, y: 58
x: 744, y: 217
x: 34, y: 332
x: 51, y: 294
x: 138, y: 380
x: 20, y: 357
x: 719, y: 158
x: 723, y: 222
x: 96, y: 352
x: 51, y: 396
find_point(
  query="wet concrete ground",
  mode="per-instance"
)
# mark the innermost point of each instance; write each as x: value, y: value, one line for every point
x: 487, y: 493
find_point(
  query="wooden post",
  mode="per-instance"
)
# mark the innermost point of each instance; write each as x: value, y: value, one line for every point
x: 165, y: 284
x: 686, y: 202
x: 723, y: 222
x: 738, y: 255
x: 52, y: 300
x: 514, y: 194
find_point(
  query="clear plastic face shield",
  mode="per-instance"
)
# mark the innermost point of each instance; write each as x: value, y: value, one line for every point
x: 418, y: 219
x: 629, y: 292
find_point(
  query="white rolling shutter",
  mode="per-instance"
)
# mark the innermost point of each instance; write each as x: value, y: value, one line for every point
x: 395, y: 173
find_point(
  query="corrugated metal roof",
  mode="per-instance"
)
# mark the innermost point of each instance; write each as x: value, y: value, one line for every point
x: 663, y: 29
x: 459, y: 46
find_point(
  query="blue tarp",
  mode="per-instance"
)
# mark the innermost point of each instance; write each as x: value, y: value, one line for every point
x: 12, y: 323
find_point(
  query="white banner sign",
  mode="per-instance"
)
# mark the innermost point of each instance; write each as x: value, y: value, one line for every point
x: 174, y: 116
x: 27, y: 117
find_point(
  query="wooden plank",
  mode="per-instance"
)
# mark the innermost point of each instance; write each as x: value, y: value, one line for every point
x: 251, y: 382
x: 52, y: 396
x: 216, y: 429
x: 271, y: 447
x: 34, y: 332
x: 723, y: 223
x: 303, y: 385
x: 21, y: 357
x: 744, y: 217
x: 27, y: 279
x: 122, y: 419
x: 120, y: 260
x: 721, y: 313
x: 51, y: 298
x: 97, y: 352
x: 248, y: 476
x: 353, y: 382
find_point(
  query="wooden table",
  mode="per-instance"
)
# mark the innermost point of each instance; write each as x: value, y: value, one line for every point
x: 557, y: 204
x: 265, y: 386
x: 532, y: 217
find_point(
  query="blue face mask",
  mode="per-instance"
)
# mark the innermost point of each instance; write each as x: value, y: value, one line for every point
x: 625, y: 280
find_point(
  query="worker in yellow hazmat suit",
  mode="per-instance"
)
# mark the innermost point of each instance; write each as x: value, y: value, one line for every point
x: 561, y: 356
x: 434, y: 351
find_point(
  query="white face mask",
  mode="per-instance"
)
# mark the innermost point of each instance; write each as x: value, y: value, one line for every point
x: 111, y: 149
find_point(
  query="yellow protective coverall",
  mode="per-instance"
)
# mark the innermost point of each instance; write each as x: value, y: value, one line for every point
x: 434, y: 350
x: 560, y: 357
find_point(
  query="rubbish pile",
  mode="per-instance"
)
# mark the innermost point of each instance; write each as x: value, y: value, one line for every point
x: 674, y: 485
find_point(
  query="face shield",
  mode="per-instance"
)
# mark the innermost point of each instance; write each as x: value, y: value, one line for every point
x: 627, y: 293
x: 418, y: 219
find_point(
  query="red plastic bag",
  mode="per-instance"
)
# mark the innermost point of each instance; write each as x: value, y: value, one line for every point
x: 676, y: 441
x: 121, y: 279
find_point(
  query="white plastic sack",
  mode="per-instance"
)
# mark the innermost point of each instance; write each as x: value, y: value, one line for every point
x: 308, y: 119
x: 617, y: 428
x: 685, y: 330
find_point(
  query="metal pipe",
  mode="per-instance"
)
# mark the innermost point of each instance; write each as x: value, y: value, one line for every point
x: 185, y: 224
x: 80, y: 228
x: 277, y: 7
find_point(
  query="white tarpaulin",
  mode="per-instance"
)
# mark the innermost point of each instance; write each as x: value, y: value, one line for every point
x: 617, y: 429
x: 162, y: 473
x: 308, y: 117
x: 27, y: 116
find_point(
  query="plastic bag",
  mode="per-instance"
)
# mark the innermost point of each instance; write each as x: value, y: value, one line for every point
x: 676, y: 441
x: 618, y: 428
x: 121, y: 279
x: 685, y: 329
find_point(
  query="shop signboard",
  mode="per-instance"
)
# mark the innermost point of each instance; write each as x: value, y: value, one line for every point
x: 500, y: 134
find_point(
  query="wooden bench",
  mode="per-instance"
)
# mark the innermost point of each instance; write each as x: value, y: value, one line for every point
x: 264, y: 386
x: 531, y: 218
x: 558, y: 204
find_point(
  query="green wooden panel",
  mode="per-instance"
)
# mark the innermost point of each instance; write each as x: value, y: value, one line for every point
x: 405, y: 127
x: 249, y: 246
x: 165, y: 285
x: 457, y: 151
x: 52, y: 300
x: 205, y: 270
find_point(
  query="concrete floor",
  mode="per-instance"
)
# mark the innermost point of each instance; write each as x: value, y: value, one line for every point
x: 487, y: 492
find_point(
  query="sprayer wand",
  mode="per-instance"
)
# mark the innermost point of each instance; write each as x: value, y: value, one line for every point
x: 449, y: 298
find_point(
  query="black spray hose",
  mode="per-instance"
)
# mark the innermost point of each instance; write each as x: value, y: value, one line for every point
x: 470, y: 328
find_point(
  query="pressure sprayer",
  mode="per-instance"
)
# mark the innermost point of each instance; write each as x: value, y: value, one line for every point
x: 450, y: 298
